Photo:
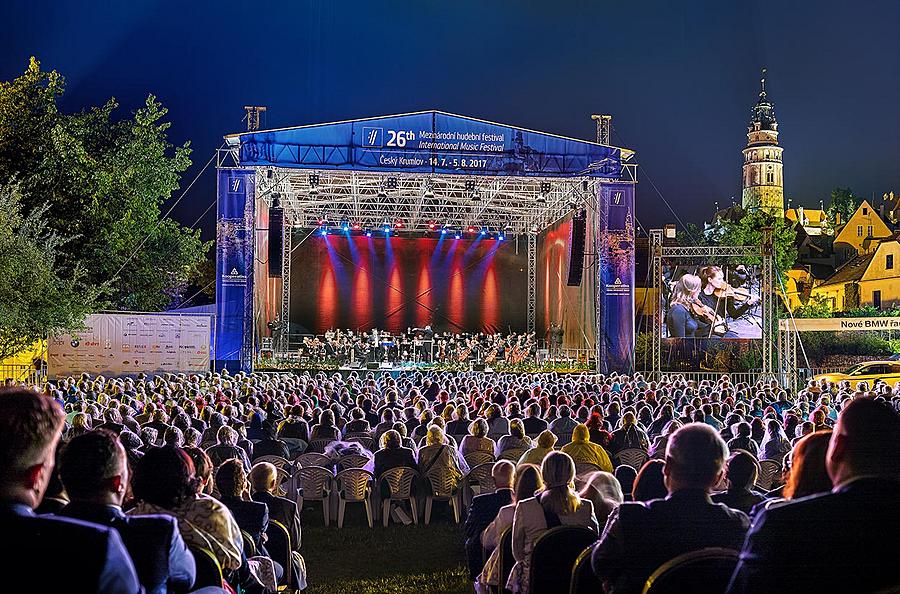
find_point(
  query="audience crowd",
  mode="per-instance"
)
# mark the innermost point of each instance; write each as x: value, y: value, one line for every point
x: 140, y: 483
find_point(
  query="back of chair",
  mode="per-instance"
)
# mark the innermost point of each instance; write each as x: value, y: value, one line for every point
x: 209, y: 571
x: 399, y: 480
x: 481, y: 475
x: 634, y: 457
x: 506, y: 559
x: 554, y: 555
x: 768, y: 472
x: 278, y: 461
x: 584, y: 580
x: 279, y: 547
x: 318, y: 445
x: 313, y: 459
x: 512, y: 455
x: 352, y: 461
x: 443, y: 483
x: 363, y: 440
x: 478, y: 457
x: 704, y: 571
x: 354, y: 483
x: 314, y: 481
x: 585, y: 468
x: 249, y: 544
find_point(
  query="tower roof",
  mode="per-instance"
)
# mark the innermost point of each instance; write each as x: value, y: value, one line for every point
x: 763, y: 113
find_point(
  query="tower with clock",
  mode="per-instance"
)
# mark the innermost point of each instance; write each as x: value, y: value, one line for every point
x: 763, y: 183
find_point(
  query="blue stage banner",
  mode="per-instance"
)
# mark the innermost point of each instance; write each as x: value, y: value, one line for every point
x: 615, y: 285
x: 429, y: 142
x: 234, y: 269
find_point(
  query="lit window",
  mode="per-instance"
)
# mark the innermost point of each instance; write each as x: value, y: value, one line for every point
x: 859, y: 231
x: 869, y: 231
x: 889, y: 263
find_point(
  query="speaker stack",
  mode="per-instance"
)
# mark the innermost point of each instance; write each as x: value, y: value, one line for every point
x: 576, y: 248
x: 276, y: 237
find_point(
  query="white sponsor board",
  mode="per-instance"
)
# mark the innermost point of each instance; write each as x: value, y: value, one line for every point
x: 130, y: 343
x: 840, y: 324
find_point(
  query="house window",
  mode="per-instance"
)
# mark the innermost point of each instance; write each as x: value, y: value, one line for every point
x: 865, y: 211
x: 889, y: 263
x: 869, y: 231
x: 859, y: 231
x: 876, y: 299
x: 770, y: 178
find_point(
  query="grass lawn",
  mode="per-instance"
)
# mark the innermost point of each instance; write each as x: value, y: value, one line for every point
x: 394, y: 560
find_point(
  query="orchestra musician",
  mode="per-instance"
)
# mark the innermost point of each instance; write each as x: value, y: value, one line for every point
x: 728, y: 302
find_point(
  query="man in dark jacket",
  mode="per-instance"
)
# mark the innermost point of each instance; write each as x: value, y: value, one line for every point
x: 95, y: 559
x: 251, y: 516
x: 741, y: 473
x: 263, y: 481
x: 94, y: 471
x: 484, y: 510
x: 639, y: 537
x: 843, y: 541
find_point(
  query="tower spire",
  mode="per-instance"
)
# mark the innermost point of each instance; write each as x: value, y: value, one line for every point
x: 762, y: 84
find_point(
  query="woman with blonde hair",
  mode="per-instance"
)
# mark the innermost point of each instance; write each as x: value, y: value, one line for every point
x: 558, y: 504
x: 679, y: 320
x: 516, y: 440
x: 477, y: 439
x: 605, y: 492
x: 437, y: 456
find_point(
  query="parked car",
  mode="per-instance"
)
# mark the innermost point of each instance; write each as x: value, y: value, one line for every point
x: 887, y: 371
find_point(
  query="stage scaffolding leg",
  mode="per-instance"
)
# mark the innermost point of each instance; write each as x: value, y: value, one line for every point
x: 283, y: 343
x: 532, y: 281
x: 656, y: 244
x: 768, y: 297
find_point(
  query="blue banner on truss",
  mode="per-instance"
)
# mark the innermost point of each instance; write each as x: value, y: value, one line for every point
x: 428, y: 142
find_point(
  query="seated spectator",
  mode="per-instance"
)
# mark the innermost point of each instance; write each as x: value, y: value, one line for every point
x: 226, y: 448
x: 597, y: 429
x: 388, y: 418
x: 160, y: 421
x: 605, y: 493
x: 263, y: 482
x: 326, y: 428
x: 55, y: 497
x: 533, y: 423
x: 251, y: 516
x: 113, y: 422
x: 95, y: 559
x: 269, y: 444
x: 357, y: 423
x: 563, y: 426
x: 516, y: 440
x: 173, y: 437
x: 202, y: 469
x: 775, y: 445
x: 582, y: 450
x: 94, y: 470
x: 81, y: 423
x: 741, y: 472
x: 294, y: 427
x: 483, y: 510
x: 650, y: 482
x: 558, y: 504
x: 477, y: 439
x: 629, y: 436
x: 528, y: 483
x: 498, y: 425
x: 850, y: 531
x: 808, y: 474
x: 164, y: 482
x: 639, y: 537
x: 460, y: 423
x: 742, y: 439
x: 436, y: 456
x: 658, y: 449
x: 392, y: 455
x: 545, y: 442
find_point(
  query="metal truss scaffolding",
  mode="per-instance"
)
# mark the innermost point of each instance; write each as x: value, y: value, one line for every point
x: 660, y: 253
x: 532, y: 282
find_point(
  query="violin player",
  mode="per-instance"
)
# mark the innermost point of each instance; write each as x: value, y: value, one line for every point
x: 725, y: 300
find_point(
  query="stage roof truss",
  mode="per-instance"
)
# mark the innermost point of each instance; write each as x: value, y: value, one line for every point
x: 373, y: 200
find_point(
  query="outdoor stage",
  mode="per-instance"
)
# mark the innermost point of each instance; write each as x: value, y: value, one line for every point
x: 419, y: 219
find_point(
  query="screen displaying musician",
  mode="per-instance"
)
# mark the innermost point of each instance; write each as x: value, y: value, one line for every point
x: 711, y: 302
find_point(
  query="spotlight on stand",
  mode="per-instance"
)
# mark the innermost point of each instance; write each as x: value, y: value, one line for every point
x: 456, y: 235
x: 368, y: 233
x: 432, y: 225
x: 484, y: 231
x: 345, y: 225
x: 501, y: 236
x: 357, y: 226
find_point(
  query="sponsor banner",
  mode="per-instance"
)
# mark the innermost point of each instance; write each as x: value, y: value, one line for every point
x: 840, y: 324
x: 429, y: 142
x: 615, y: 294
x: 131, y: 343
x: 234, y: 269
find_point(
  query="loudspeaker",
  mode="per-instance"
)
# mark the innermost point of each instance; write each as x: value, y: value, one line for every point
x: 576, y: 248
x: 276, y: 240
x: 477, y: 366
x: 372, y: 365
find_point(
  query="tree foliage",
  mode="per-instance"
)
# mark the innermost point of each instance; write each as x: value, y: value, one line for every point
x: 104, y: 180
x: 35, y: 298
x: 844, y: 202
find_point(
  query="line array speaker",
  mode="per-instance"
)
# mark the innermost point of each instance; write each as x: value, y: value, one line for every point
x: 576, y: 248
x: 276, y: 240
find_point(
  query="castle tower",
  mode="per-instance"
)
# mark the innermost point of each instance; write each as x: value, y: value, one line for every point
x: 763, y: 184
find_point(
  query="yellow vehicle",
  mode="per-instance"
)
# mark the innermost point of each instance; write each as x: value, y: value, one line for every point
x: 886, y: 371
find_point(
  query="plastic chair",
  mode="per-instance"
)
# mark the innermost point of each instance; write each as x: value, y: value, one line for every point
x: 478, y: 457
x: 700, y: 572
x: 279, y: 548
x: 352, y: 461
x: 584, y: 580
x: 554, y: 555
x: 313, y: 459
x: 585, y: 468
x: 512, y: 455
x: 209, y: 570
x: 354, y: 485
x: 443, y: 488
x: 399, y: 481
x: 768, y: 473
x: 317, y: 446
x: 634, y: 457
x: 277, y: 461
x: 249, y: 544
x: 314, y: 483
x: 479, y: 475
x: 363, y: 440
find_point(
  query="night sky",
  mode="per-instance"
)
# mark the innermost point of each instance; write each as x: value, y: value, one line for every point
x: 678, y: 77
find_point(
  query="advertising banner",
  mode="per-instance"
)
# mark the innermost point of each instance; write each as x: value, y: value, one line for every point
x: 615, y: 288
x: 429, y: 142
x: 840, y: 324
x: 234, y: 269
x: 130, y: 343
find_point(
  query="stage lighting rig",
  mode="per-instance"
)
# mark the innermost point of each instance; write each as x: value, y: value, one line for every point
x: 428, y: 188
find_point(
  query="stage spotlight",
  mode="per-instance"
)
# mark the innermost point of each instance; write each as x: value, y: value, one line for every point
x: 323, y: 231
x: 368, y: 233
x: 500, y: 236
x: 457, y: 236
x: 484, y: 230
x: 387, y: 230
x: 428, y: 188
x: 470, y: 185
x: 345, y: 224
x: 398, y: 224
x: 357, y: 226
x: 545, y: 190
x: 270, y: 173
x: 443, y: 231
x: 476, y: 195
x: 313, y: 180
x: 391, y: 183
x: 432, y: 225
x: 276, y: 200
x: 470, y: 229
